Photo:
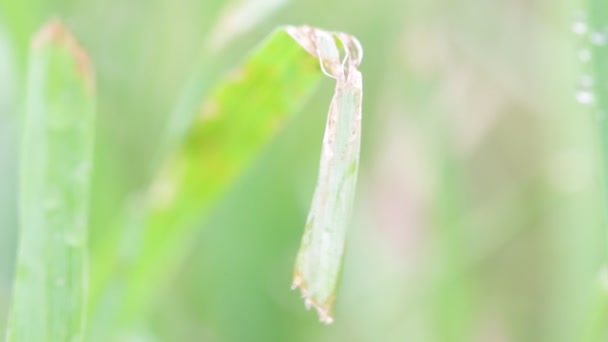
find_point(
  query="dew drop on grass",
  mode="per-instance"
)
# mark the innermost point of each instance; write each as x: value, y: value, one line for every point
x: 584, y: 55
x: 598, y: 38
x: 585, y: 97
x: 579, y: 27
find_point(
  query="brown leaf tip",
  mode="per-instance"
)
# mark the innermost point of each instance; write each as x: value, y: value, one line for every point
x: 55, y: 32
x: 323, y: 311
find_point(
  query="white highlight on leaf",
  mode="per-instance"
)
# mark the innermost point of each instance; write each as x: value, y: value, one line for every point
x: 240, y: 17
x: 584, y: 55
x: 598, y: 38
x: 580, y: 27
x: 585, y: 96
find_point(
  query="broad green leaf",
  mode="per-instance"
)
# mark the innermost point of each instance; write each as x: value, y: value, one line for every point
x: 229, y: 130
x: 50, y: 284
x: 319, y: 260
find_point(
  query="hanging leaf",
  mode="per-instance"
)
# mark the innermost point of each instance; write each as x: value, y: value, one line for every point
x: 320, y: 257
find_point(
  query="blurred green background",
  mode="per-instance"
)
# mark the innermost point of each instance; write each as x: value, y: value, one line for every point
x: 479, y: 215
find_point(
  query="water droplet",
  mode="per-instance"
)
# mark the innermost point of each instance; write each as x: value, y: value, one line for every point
x: 579, y: 27
x: 586, y: 81
x: 584, y: 55
x: 585, y: 97
x: 598, y: 38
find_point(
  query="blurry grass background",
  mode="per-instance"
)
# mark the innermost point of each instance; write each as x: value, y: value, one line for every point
x: 479, y: 214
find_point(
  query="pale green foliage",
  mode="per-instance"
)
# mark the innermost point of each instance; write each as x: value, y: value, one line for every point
x: 51, y: 277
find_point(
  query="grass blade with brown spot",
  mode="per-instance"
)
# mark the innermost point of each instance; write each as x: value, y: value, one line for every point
x: 231, y: 128
x: 50, y: 285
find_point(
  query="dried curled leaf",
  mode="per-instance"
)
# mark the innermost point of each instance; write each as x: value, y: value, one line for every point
x: 320, y: 257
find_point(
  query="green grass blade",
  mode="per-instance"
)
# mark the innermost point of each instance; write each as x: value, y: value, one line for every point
x: 592, y: 28
x: 50, y: 285
x: 319, y: 260
x: 230, y: 129
x: 596, y: 44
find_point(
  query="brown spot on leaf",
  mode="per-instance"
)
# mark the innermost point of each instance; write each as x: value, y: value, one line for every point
x: 55, y: 32
x: 323, y: 309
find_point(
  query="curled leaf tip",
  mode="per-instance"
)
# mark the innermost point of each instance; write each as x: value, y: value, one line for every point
x: 55, y: 33
x: 325, y: 46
